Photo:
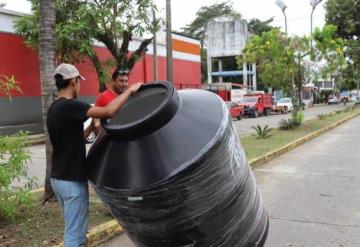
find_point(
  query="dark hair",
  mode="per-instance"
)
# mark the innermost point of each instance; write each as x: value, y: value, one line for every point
x: 119, y: 72
x: 60, y: 82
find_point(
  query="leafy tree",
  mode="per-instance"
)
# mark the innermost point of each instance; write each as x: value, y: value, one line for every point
x: 257, y: 26
x: 197, y: 28
x: 275, y: 60
x: 283, y: 62
x: 78, y: 23
x: 345, y: 15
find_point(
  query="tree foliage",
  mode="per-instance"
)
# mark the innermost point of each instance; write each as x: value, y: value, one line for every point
x: 274, y: 59
x: 283, y: 62
x: 257, y: 26
x: 345, y: 15
x: 79, y: 23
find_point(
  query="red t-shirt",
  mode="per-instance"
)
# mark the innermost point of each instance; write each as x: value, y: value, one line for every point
x: 105, y: 98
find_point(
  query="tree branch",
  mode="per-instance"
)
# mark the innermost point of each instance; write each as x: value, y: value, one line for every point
x: 138, y: 53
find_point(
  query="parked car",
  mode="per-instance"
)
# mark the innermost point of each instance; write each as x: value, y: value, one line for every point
x: 353, y: 98
x: 357, y: 99
x: 256, y: 104
x: 236, y: 110
x: 285, y: 105
x: 332, y: 100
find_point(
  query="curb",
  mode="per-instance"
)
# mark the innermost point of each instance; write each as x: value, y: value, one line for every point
x: 36, y: 139
x: 110, y: 229
x: 292, y: 145
x: 101, y: 233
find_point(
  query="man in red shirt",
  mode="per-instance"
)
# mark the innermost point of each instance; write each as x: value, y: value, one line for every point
x: 118, y: 85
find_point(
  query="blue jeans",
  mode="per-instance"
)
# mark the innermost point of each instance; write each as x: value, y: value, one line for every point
x: 74, y: 200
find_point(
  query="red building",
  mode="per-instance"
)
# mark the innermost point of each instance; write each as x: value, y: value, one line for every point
x: 24, y: 111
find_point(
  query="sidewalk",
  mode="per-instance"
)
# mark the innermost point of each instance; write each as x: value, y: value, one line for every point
x: 312, y: 193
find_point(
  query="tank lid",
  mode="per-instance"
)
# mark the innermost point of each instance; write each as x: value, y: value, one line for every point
x: 145, y: 112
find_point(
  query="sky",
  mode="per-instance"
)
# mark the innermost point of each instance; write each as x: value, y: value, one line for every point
x: 184, y: 11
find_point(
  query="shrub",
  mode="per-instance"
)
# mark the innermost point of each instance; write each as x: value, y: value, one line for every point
x: 13, y: 171
x: 292, y: 123
x: 322, y: 116
x: 262, y: 132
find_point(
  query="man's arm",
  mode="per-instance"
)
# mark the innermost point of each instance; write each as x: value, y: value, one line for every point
x: 110, y: 110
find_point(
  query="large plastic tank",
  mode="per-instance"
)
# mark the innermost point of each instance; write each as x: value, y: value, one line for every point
x: 173, y: 173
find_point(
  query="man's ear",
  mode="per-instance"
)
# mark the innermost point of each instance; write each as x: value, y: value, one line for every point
x: 73, y: 82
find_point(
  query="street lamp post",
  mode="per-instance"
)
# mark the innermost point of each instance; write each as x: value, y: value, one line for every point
x: 169, y: 55
x: 313, y: 3
x: 283, y: 6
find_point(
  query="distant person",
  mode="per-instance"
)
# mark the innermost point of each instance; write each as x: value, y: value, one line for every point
x: 65, y: 120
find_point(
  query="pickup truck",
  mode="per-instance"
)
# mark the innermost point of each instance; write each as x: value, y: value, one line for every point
x: 236, y: 111
x: 257, y: 104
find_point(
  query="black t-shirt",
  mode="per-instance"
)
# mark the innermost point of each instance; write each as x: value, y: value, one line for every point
x: 65, y: 121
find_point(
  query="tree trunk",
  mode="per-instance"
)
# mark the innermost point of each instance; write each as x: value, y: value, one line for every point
x: 47, y: 56
x: 99, y: 70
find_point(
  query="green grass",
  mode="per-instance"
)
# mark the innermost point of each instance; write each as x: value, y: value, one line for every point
x: 255, y: 147
x: 42, y: 225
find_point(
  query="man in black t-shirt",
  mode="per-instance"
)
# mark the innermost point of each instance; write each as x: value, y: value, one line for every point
x: 65, y: 120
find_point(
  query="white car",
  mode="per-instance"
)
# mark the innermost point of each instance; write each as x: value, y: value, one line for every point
x: 333, y: 100
x: 286, y: 103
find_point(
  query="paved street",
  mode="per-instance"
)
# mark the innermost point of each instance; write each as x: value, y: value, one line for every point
x: 312, y: 193
x: 244, y: 125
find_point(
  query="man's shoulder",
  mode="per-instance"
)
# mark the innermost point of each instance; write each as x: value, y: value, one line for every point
x: 104, y: 98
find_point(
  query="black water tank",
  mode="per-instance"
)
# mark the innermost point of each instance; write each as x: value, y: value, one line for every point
x: 173, y: 173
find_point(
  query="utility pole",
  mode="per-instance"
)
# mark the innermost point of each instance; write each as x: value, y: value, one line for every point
x: 169, y: 55
x: 155, y: 58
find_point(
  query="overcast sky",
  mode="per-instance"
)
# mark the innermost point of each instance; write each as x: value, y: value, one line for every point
x: 184, y: 11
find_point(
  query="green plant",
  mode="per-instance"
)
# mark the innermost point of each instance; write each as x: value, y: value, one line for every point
x: 262, y: 132
x: 8, y: 84
x: 322, y: 116
x: 15, y: 183
x: 293, y: 122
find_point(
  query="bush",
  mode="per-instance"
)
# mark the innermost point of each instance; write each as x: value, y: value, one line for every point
x: 292, y: 123
x: 322, y: 116
x: 13, y: 170
x: 262, y: 133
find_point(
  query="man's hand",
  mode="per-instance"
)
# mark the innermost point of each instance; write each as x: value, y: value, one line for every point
x: 135, y: 87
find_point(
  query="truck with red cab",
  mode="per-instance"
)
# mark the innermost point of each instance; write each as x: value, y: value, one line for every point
x: 236, y: 110
x: 256, y: 104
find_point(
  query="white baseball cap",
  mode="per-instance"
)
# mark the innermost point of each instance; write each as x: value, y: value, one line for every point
x: 68, y: 71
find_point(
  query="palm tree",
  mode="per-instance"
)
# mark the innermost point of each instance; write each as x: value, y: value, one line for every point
x: 47, y: 51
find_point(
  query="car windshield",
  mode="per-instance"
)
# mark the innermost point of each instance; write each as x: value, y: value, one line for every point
x: 248, y: 100
x: 284, y: 101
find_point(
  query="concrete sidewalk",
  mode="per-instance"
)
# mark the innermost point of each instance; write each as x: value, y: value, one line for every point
x: 312, y: 193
